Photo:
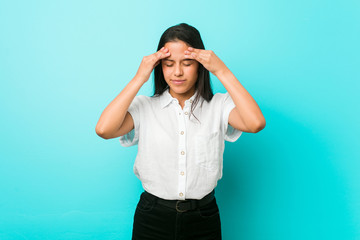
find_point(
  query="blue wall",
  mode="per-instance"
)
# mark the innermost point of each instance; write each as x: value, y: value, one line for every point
x: 62, y: 63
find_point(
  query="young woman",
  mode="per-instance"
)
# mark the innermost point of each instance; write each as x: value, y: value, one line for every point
x: 180, y: 132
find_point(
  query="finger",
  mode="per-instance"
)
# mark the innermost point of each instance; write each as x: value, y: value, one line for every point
x: 193, y: 50
x: 163, y: 49
x: 157, y: 63
x: 196, y: 50
x: 164, y: 55
x: 161, y: 55
x: 193, y: 56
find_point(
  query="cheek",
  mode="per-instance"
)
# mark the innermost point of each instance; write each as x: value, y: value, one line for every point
x: 193, y: 72
x: 166, y: 72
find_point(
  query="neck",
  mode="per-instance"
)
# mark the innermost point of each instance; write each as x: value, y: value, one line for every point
x: 182, y: 97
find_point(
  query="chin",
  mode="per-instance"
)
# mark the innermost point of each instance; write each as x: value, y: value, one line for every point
x: 178, y: 90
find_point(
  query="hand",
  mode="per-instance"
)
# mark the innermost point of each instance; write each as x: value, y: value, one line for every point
x: 207, y: 58
x: 149, y: 62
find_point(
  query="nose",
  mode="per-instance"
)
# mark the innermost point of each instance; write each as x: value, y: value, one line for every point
x: 178, y: 70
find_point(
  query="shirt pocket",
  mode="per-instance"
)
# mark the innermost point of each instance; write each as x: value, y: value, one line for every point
x: 207, y: 150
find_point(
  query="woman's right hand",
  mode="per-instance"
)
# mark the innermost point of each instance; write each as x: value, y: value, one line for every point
x: 149, y: 62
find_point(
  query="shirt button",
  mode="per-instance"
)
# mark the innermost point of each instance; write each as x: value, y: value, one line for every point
x: 179, y: 113
x: 182, y: 152
x: 186, y: 113
x: 181, y: 194
x: 182, y: 132
x: 182, y: 173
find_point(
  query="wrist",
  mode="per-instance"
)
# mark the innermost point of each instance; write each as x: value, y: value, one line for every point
x: 140, y: 79
x: 222, y: 72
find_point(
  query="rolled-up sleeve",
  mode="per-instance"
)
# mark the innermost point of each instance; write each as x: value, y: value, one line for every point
x: 230, y: 134
x: 132, y: 137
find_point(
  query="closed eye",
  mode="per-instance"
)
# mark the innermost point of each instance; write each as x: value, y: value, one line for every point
x: 187, y: 64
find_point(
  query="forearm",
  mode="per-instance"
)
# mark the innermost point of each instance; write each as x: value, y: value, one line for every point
x: 249, y: 110
x: 114, y: 114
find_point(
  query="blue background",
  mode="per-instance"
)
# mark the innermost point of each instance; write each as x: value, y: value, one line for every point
x: 63, y: 62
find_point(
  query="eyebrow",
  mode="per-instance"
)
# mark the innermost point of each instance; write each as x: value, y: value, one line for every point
x: 186, y: 59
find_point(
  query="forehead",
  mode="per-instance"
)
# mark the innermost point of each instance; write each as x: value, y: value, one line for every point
x: 178, y: 44
x: 176, y: 49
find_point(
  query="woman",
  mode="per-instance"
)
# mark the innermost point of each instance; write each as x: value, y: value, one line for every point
x: 180, y: 132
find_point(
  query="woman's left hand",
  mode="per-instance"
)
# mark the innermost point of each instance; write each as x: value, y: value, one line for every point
x: 207, y: 58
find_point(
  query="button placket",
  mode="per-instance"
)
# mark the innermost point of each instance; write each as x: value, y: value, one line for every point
x: 182, y: 153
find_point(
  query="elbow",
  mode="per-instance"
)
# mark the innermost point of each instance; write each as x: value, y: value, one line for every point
x: 258, y: 127
x: 101, y: 132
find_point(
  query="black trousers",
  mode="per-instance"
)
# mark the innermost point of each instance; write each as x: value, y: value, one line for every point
x: 153, y: 221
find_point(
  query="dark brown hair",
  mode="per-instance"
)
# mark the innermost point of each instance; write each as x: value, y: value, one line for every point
x: 191, y: 36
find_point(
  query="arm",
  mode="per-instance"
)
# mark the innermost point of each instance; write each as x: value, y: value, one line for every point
x: 112, y: 118
x: 246, y: 116
x: 115, y: 120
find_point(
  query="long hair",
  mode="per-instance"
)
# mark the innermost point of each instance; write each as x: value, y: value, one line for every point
x: 191, y: 36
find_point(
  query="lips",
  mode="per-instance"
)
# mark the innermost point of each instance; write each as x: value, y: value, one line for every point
x: 177, y: 81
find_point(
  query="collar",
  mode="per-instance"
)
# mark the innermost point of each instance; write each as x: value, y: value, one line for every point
x: 166, y: 98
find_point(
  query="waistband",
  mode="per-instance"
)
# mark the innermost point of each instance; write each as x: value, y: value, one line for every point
x: 182, y: 205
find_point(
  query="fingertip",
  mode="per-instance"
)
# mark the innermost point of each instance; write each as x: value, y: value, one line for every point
x: 164, y: 55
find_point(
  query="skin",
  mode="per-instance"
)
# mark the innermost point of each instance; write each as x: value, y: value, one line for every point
x: 116, y: 121
x: 246, y: 116
x: 178, y: 67
x: 183, y: 63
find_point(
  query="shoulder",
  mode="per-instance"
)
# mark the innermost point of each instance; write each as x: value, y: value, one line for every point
x: 145, y: 100
x: 219, y: 97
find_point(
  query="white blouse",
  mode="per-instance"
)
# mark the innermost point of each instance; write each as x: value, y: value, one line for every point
x: 179, y: 157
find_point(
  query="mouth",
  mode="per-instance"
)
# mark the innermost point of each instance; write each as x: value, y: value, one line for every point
x: 178, y: 82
